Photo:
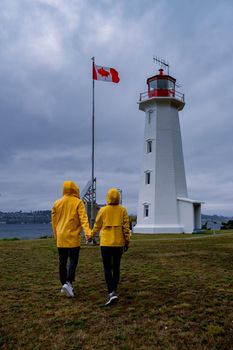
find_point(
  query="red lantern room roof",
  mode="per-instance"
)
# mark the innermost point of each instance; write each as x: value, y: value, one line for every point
x: 161, y: 75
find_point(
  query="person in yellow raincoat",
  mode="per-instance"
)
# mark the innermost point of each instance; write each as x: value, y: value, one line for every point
x: 68, y: 218
x: 112, y: 222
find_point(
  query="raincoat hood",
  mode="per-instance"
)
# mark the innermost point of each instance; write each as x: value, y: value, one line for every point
x: 113, y: 196
x: 70, y: 188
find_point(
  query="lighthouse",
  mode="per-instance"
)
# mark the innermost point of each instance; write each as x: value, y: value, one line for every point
x: 163, y: 203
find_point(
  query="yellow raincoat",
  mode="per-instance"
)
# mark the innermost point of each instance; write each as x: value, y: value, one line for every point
x: 112, y: 222
x: 69, y: 217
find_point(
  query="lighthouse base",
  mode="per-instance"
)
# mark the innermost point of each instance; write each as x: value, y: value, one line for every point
x: 188, y: 220
x: 152, y: 229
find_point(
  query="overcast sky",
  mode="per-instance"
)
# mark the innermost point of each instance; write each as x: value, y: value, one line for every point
x: 46, y: 95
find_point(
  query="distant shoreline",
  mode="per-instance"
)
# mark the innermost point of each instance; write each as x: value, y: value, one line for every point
x: 25, y: 223
x: 25, y: 231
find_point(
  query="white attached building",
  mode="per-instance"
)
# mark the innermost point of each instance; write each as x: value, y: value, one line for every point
x: 163, y: 205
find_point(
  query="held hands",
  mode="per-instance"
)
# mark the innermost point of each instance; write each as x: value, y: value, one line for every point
x: 90, y: 240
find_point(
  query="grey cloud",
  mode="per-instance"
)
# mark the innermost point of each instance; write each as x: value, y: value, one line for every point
x: 45, y: 95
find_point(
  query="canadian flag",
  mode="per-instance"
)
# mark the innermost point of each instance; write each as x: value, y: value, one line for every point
x: 105, y: 74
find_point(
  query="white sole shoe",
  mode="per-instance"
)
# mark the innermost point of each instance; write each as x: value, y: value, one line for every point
x: 67, y: 290
x: 112, y: 300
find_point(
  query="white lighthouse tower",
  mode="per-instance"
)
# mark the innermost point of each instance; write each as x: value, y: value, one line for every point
x: 163, y: 205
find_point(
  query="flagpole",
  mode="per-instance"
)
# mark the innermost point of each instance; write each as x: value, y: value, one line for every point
x: 93, y: 145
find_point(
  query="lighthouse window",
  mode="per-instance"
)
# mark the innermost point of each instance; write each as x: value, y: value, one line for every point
x: 149, y: 146
x: 162, y: 84
x: 153, y: 84
x: 149, y: 116
x: 171, y: 85
x: 146, y: 210
x: 147, y: 177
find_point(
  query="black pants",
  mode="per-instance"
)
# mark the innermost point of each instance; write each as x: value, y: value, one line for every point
x: 112, y: 259
x: 64, y: 254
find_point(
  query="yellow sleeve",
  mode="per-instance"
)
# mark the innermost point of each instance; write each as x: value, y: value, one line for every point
x: 98, y: 223
x: 125, y: 227
x: 83, y: 219
x: 54, y: 222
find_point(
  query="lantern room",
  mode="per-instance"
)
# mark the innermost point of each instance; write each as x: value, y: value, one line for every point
x: 161, y: 85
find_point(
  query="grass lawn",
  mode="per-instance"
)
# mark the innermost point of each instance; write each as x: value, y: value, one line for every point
x: 176, y: 292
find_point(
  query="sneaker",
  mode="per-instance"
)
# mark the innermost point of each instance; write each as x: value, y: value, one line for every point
x: 113, y: 298
x: 67, y: 290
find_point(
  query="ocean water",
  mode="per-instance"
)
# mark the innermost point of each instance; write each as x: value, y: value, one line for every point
x: 25, y: 231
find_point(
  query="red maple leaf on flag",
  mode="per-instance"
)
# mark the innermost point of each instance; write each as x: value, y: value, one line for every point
x: 103, y: 72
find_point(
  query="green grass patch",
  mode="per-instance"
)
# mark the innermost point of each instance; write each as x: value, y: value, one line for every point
x: 176, y: 292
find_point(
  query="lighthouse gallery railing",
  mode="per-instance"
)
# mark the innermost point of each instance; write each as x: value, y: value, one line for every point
x: 161, y: 93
